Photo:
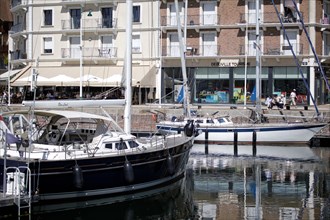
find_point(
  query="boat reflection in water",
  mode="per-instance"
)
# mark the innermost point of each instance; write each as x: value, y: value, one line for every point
x: 278, y: 183
x: 169, y: 202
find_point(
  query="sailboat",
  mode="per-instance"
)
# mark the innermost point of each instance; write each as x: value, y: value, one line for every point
x: 222, y: 129
x: 51, y: 153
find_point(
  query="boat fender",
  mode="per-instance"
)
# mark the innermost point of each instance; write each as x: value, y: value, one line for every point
x: 78, y: 179
x: 170, y: 165
x: 128, y: 172
x: 189, y: 129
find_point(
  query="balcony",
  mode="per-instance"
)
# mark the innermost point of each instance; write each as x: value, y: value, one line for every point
x: 101, y: 53
x: 18, y: 55
x: 283, y: 49
x: 89, y: 24
x: 268, y: 17
x: 17, y: 28
x: 327, y: 50
x: 16, y: 5
x: 324, y: 21
x: 192, y: 51
x: 194, y: 21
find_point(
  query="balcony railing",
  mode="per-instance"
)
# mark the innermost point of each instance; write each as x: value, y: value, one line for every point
x: 195, y: 50
x: 297, y: 49
x: 15, y: 3
x: 283, y: 49
x: 18, y: 55
x: 327, y: 51
x: 209, y: 19
x: 17, y: 28
x: 74, y: 53
x: 267, y: 17
x: 325, y: 21
x: 73, y: 24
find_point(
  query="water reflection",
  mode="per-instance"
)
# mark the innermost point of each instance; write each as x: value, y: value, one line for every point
x: 278, y: 183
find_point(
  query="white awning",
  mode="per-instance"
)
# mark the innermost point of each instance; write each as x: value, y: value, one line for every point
x: 4, y: 76
x: 94, y: 76
x: 149, y: 80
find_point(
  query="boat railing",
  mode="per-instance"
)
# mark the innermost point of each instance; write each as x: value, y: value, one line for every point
x: 18, y: 186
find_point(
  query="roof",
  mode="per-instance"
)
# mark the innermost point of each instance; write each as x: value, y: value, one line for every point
x: 5, y: 14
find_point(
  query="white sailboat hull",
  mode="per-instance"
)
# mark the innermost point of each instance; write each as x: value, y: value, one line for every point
x: 268, y: 134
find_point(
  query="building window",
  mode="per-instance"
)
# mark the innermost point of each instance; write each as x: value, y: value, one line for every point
x: 136, y: 13
x: 48, y: 17
x: 106, y: 49
x: 136, y: 43
x: 107, y: 18
x: 48, y: 45
x: 209, y: 44
x: 75, y: 15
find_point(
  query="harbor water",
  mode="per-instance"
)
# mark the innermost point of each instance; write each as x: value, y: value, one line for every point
x: 275, y: 182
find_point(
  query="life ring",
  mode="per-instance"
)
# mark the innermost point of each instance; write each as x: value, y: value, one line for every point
x: 154, y: 117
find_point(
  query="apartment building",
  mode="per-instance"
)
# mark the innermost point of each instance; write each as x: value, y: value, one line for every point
x: 221, y: 48
x: 74, y: 42
x: 6, y: 21
x: 81, y: 44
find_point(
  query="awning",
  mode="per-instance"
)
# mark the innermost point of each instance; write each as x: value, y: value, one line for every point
x: 4, y: 76
x: 94, y: 76
x: 149, y: 80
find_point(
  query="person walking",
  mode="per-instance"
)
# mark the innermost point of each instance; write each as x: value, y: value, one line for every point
x: 293, y: 97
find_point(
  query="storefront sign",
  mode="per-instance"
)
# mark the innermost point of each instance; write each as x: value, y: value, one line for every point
x: 226, y: 63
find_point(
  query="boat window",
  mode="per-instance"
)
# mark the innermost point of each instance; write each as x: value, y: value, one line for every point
x: 221, y: 120
x: 209, y: 121
x: 199, y: 121
x: 133, y: 144
x: 121, y: 146
x: 108, y: 146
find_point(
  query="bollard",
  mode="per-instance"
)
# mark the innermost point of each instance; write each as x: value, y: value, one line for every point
x: 235, y: 143
x: 305, y: 107
x: 287, y: 107
x: 206, y: 141
x: 254, y: 143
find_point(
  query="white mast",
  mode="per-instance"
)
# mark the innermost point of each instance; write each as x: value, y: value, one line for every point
x: 128, y: 67
x: 258, y: 50
x: 183, y: 63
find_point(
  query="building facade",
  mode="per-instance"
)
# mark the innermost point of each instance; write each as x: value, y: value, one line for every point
x: 221, y: 50
x: 82, y: 43
x: 6, y: 21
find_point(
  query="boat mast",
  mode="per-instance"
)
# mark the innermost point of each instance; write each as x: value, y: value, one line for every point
x: 128, y: 68
x: 295, y: 57
x: 186, y: 106
x: 258, y: 50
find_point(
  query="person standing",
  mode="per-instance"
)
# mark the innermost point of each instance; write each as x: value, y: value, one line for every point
x: 293, y: 97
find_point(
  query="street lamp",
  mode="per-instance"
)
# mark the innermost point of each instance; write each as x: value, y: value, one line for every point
x: 10, y: 49
x: 81, y: 51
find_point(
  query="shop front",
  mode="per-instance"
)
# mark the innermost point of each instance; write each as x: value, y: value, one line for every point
x: 226, y: 85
